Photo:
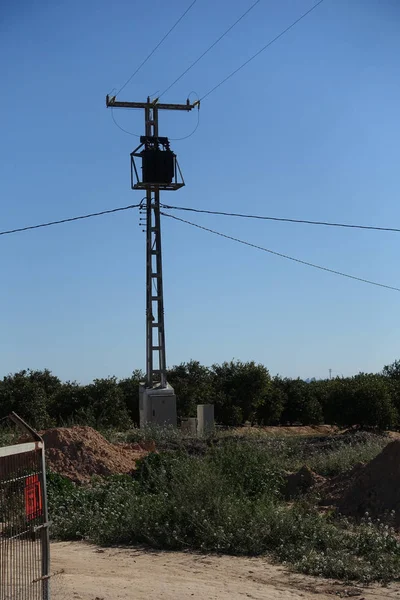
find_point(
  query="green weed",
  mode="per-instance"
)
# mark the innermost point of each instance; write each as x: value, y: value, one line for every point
x: 344, y: 458
x: 225, y: 501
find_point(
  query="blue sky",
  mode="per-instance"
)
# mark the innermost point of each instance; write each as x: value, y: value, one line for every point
x: 309, y: 130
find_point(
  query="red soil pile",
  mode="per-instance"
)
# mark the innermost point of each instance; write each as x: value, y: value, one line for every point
x: 78, y: 453
x: 301, y: 482
x: 331, y: 490
x: 376, y: 488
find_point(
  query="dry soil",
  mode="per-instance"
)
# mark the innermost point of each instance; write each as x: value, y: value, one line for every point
x: 81, y: 452
x: 92, y: 573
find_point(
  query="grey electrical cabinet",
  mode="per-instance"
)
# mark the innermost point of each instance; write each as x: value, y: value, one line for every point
x: 157, y: 405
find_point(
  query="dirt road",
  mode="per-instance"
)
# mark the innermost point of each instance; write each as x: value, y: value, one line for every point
x: 92, y: 573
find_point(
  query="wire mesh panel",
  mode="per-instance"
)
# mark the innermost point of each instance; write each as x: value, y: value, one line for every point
x: 24, y: 542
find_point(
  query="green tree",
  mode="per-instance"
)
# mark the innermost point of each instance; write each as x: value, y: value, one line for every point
x: 392, y: 376
x: 239, y: 391
x: 29, y: 394
x: 192, y: 383
x: 68, y: 404
x: 302, y: 404
x: 130, y: 391
x: 364, y: 400
x: 100, y: 404
x: 269, y: 412
x: 373, y: 402
x: 392, y: 371
x: 106, y: 404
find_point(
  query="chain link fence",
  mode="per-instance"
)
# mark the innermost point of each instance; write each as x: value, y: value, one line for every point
x: 24, y: 534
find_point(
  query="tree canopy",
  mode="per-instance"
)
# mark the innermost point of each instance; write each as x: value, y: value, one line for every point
x: 240, y: 391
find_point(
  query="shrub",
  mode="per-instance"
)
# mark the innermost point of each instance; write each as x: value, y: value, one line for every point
x: 239, y: 390
x: 301, y: 403
x: 207, y: 518
x: 248, y: 468
x: 226, y: 501
x: 344, y: 458
x: 192, y: 383
x: 363, y: 400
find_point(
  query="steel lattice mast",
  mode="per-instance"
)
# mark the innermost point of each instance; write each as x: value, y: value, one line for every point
x: 160, y: 171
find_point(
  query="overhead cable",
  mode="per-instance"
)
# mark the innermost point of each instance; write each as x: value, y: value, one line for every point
x: 185, y: 137
x: 157, y: 46
x: 280, y: 219
x: 69, y: 220
x: 210, y: 48
x: 297, y: 260
x: 262, y: 49
x: 204, y: 211
x: 121, y: 128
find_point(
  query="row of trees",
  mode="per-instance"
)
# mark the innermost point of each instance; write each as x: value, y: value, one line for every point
x: 240, y: 391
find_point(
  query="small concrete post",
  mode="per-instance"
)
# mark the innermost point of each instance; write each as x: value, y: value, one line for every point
x: 189, y: 425
x: 205, y: 419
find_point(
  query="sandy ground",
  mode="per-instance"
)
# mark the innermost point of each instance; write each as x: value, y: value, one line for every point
x: 91, y: 573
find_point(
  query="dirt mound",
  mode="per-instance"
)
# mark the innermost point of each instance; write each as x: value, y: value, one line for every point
x: 376, y: 488
x: 81, y: 452
x: 300, y: 482
x: 331, y: 490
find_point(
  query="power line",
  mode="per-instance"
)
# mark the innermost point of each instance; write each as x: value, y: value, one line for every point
x: 121, y: 128
x: 201, y: 211
x: 210, y: 48
x: 281, y: 219
x: 262, y: 49
x: 157, y: 46
x: 185, y: 137
x: 297, y: 260
x: 229, y: 237
x: 50, y: 223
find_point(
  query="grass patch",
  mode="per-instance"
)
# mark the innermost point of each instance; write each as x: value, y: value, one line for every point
x: 344, y: 458
x: 151, y: 432
x: 326, y: 455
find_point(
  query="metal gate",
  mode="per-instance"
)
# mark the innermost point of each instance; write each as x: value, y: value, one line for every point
x: 24, y: 533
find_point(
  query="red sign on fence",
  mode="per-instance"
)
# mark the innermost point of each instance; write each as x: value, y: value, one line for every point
x: 33, y: 497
